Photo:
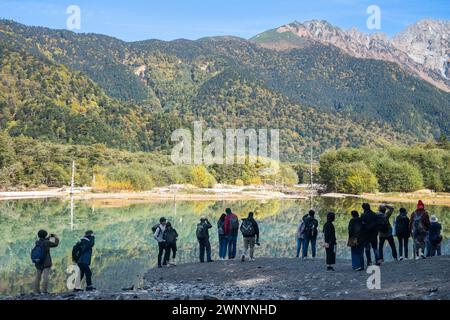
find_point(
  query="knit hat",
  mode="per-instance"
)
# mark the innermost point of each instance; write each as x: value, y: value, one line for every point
x: 420, y: 205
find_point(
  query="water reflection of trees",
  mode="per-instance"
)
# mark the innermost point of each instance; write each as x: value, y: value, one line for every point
x: 125, y: 246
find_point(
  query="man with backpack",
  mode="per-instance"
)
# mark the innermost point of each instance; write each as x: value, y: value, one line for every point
x: 419, y: 225
x: 203, y: 239
x: 370, y: 234
x: 82, y: 256
x: 434, y: 237
x: 310, y: 234
x: 232, y: 231
x: 170, y: 237
x: 250, y: 233
x: 385, y: 231
x: 40, y: 256
x: 158, y: 232
x: 402, y: 232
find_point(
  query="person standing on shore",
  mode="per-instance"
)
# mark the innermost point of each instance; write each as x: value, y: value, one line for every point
x: 250, y: 233
x: 330, y: 241
x: 40, y: 256
x: 223, y: 239
x: 300, y: 236
x: 82, y: 255
x: 170, y: 237
x: 370, y: 234
x: 310, y: 234
x: 203, y: 239
x: 385, y: 231
x: 419, y: 225
x: 232, y: 231
x: 402, y: 233
x: 355, y: 241
x: 434, y: 237
x: 158, y: 232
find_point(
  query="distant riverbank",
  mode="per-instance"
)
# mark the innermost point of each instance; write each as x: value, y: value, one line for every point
x: 221, y: 192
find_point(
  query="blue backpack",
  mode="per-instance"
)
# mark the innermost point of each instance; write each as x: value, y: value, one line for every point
x: 38, y: 254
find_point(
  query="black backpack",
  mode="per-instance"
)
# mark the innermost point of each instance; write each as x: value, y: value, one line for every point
x: 38, y: 254
x: 77, y: 250
x: 310, y: 228
x: 155, y: 227
x: 201, y: 231
x: 247, y: 228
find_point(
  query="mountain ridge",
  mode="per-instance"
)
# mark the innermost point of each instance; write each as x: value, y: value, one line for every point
x: 155, y: 86
x: 374, y: 46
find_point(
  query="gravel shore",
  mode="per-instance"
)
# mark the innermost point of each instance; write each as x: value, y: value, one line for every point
x: 280, y: 279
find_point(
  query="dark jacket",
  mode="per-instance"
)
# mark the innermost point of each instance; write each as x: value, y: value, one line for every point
x: 329, y: 233
x: 355, y: 229
x: 435, y: 233
x: 206, y: 226
x: 369, y: 223
x: 221, y: 226
x: 402, y: 226
x: 255, y: 227
x: 384, y: 217
x: 170, y: 235
x: 47, y: 244
x: 86, y: 250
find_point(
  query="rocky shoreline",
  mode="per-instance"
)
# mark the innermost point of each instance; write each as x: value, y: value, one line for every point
x: 280, y: 279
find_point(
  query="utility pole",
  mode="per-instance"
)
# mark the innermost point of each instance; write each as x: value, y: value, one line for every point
x: 72, y: 185
x: 311, y: 188
x: 72, y: 180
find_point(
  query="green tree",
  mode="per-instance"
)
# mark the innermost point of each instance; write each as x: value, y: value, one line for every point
x: 359, y: 179
x: 7, y: 153
x: 398, y: 176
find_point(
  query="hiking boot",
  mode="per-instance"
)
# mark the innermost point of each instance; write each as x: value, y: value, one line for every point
x: 209, y: 261
x: 243, y: 258
x: 77, y: 290
x: 90, y: 288
x: 330, y: 268
x: 401, y: 258
x: 252, y: 259
x: 360, y: 269
x: 174, y: 262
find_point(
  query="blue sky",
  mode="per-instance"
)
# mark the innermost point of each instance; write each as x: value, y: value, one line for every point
x: 133, y: 20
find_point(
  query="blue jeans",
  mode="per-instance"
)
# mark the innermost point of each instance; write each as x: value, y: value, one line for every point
x: 358, y: 256
x: 299, y: 246
x: 306, y: 242
x: 223, y: 245
x: 232, y: 242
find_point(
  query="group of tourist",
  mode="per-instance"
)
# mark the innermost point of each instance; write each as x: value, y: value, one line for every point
x: 367, y: 234
x: 370, y: 231
x: 228, y: 228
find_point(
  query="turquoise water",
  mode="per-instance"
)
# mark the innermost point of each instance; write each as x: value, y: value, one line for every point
x: 125, y: 248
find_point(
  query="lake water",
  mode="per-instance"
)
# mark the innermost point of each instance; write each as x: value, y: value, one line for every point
x: 125, y: 249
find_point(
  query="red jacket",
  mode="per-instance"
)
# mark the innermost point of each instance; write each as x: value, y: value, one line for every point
x: 227, y: 226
